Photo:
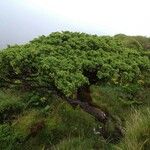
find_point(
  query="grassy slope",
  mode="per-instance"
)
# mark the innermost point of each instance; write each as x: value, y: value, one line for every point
x: 66, y: 128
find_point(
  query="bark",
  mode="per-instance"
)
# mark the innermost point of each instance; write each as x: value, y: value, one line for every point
x: 95, y: 112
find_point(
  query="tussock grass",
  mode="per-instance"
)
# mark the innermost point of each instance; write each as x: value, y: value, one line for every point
x: 137, y: 132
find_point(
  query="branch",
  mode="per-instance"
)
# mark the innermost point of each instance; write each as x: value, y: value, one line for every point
x: 95, y: 112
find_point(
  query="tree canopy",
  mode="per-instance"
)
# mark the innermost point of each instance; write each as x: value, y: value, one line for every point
x: 69, y: 60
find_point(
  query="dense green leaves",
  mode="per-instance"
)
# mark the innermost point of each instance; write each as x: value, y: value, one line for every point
x: 61, y: 59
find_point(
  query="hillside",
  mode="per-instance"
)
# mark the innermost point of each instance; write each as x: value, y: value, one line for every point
x: 73, y: 90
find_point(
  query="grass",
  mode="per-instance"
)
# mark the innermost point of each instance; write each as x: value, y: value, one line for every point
x: 78, y: 143
x: 10, y: 106
x: 137, y: 132
x: 69, y: 129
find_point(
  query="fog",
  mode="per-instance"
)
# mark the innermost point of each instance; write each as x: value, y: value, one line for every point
x: 23, y: 20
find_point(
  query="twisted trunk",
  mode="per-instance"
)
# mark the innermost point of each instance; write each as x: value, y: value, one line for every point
x: 85, y: 106
x: 84, y: 101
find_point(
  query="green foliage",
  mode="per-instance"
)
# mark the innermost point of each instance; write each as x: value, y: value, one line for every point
x: 60, y: 59
x: 36, y: 100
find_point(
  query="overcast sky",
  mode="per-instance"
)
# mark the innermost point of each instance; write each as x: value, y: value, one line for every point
x: 23, y: 20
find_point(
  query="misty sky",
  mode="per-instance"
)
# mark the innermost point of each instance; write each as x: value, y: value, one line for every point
x: 23, y: 20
